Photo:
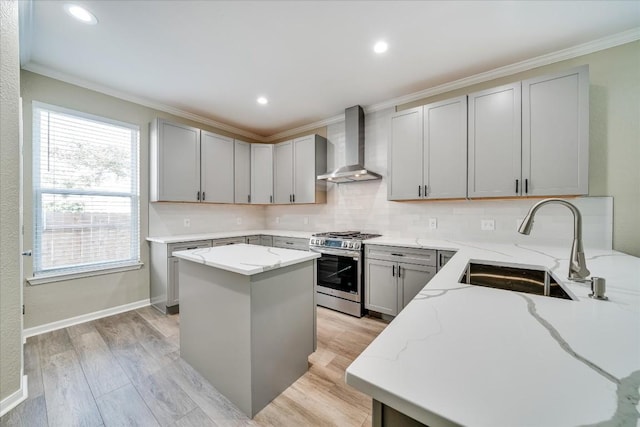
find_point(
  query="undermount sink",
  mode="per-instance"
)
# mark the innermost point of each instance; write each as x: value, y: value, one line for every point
x: 514, y: 277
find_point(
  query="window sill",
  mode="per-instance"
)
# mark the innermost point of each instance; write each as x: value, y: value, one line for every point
x: 40, y: 280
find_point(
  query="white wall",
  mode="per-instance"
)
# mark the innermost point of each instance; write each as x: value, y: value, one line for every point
x: 10, y: 296
x: 364, y: 206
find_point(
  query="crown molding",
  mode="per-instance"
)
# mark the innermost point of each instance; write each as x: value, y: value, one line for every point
x: 507, y: 70
x: 67, y: 78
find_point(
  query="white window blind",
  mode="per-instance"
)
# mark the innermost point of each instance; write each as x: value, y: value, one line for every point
x: 86, y: 192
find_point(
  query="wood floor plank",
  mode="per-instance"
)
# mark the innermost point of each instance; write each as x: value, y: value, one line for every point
x: 136, y: 362
x: 67, y: 394
x: 52, y: 343
x: 210, y: 400
x: 33, y: 368
x: 167, y: 325
x: 103, y: 372
x: 195, y: 418
x: 166, y: 399
x: 124, y: 407
x: 32, y: 412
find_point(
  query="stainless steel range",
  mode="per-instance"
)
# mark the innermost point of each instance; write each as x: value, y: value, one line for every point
x: 340, y: 269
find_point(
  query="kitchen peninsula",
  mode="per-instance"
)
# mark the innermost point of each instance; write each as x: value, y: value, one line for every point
x: 247, y: 318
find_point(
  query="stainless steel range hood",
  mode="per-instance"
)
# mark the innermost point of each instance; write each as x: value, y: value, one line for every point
x: 354, y: 151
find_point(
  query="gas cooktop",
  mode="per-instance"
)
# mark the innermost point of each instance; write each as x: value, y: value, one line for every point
x: 347, y: 235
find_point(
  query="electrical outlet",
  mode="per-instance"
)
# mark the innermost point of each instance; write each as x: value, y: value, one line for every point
x: 433, y: 223
x: 488, y: 224
x: 239, y: 220
x: 306, y: 220
x: 187, y: 222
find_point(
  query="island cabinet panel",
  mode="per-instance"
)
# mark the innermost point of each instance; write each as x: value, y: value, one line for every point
x: 394, y: 276
x: 555, y: 133
x: 216, y: 168
x: 250, y: 336
x: 261, y: 173
x: 494, y: 137
x: 174, y: 162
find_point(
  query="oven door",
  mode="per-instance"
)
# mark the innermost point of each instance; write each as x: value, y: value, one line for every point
x: 340, y: 275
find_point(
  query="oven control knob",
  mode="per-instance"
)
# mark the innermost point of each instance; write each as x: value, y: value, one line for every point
x: 356, y: 245
x: 322, y: 241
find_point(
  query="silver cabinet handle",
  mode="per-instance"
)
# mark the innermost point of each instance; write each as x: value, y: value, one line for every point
x: 399, y: 271
x: 393, y: 271
x: 419, y: 190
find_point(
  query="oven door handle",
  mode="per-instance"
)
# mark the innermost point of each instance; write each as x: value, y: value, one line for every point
x: 338, y: 272
x: 337, y: 252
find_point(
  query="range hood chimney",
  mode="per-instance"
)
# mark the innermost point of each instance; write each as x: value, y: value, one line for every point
x: 354, y: 151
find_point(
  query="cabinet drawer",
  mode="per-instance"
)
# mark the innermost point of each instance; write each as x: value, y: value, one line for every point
x: 400, y: 254
x: 291, y: 243
x: 184, y: 246
x: 228, y: 241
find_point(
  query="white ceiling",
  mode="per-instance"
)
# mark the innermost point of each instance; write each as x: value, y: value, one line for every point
x: 310, y: 58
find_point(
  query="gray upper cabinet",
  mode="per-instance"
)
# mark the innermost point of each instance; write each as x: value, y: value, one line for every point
x: 216, y: 168
x: 242, y: 172
x: 189, y: 165
x: 445, y: 149
x: 555, y: 133
x: 283, y: 172
x: 428, y: 152
x: 405, y: 156
x: 494, y: 138
x: 174, y: 162
x: 297, y: 163
x: 261, y: 173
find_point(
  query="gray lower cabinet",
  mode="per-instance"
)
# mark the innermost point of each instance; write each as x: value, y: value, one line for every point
x: 252, y: 240
x: 165, y: 290
x: 394, y: 276
x: 291, y: 243
x: 266, y: 240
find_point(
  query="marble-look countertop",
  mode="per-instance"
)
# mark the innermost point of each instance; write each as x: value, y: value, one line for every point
x: 227, y: 234
x: 246, y: 259
x: 468, y: 355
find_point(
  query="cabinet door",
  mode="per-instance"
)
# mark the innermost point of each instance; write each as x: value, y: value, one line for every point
x: 253, y: 240
x: 412, y: 279
x: 242, y: 172
x: 216, y: 163
x: 405, y: 156
x: 261, y: 173
x: 173, y: 289
x: 555, y: 133
x: 381, y: 287
x: 445, y: 149
x: 304, y: 169
x: 495, y: 142
x: 283, y: 172
x: 266, y: 240
x: 178, y: 162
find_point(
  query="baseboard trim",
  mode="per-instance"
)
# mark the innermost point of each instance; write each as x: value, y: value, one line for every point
x: 48, y: 327
x: 15, y: 398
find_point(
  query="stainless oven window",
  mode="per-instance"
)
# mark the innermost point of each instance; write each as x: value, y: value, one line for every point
x: 338, y: 272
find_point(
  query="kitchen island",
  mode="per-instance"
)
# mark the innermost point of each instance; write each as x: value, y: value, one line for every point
x: 247, y: 318
x: 461, y: 354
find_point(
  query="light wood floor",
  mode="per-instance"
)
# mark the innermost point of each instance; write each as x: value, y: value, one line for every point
x: 126, y: 370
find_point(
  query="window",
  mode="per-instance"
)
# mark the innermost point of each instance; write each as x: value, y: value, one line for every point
x: 85, y: 182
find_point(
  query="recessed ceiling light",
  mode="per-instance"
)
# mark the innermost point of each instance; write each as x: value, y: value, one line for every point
x: 380, y: 47
x: 262, y: 100
x: 81, y: 14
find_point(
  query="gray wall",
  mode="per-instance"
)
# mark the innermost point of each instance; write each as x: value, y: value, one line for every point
x: 10, y: 295
x: 55, y: 301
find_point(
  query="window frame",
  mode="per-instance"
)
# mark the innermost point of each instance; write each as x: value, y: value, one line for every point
x: 94, y: 268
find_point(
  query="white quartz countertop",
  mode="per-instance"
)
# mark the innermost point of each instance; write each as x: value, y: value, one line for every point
x: 227, y: 234
x: 468, y: 355
x: 246, y: 259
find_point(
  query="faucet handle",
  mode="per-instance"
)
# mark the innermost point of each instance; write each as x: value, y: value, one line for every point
x: 598, y: 287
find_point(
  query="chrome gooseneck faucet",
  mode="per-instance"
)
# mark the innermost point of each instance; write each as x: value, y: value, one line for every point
x: 577, y: 265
